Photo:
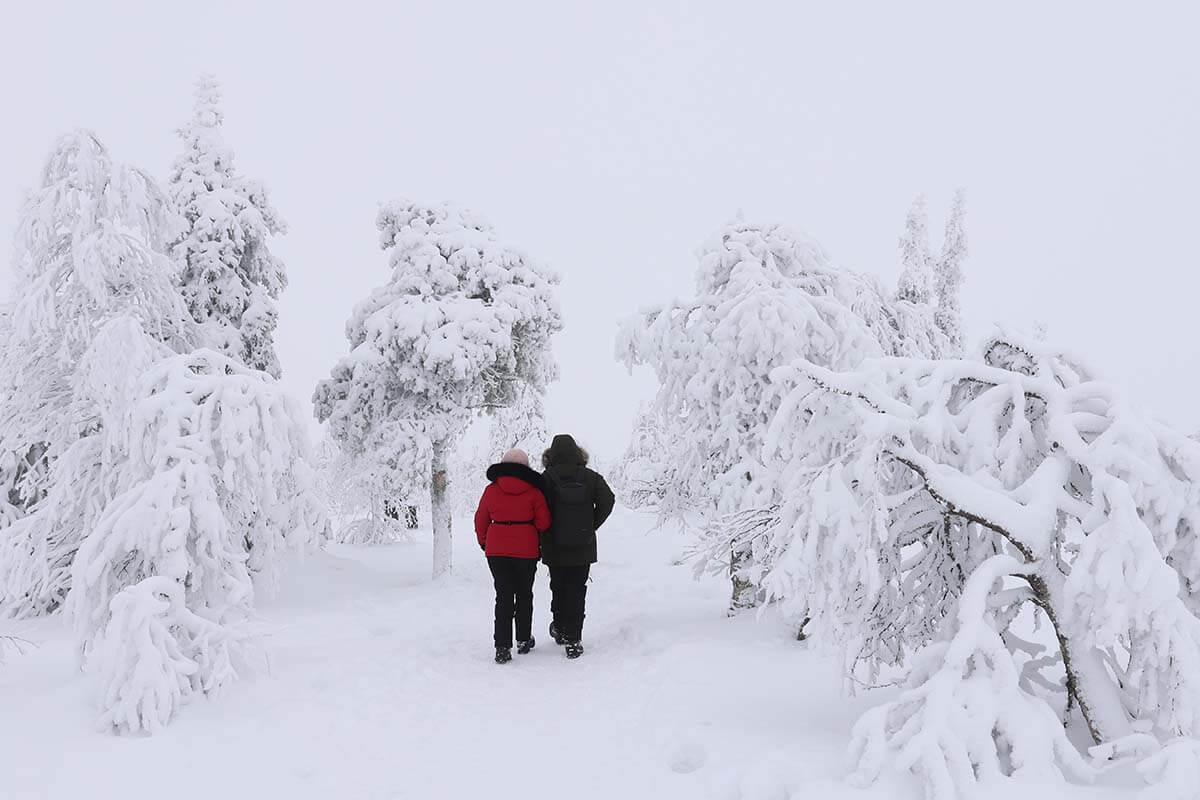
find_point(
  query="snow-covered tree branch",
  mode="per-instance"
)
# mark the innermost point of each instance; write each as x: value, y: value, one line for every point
x: 1020, y: 454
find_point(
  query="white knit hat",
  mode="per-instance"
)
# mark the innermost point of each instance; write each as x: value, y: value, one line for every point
x: 515, y: 456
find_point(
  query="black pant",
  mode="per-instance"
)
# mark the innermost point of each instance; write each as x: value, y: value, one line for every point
x: 569, y: 588
x: 514, y: 597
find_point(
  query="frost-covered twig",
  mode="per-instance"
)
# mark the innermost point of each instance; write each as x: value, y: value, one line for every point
x: 13, y: 644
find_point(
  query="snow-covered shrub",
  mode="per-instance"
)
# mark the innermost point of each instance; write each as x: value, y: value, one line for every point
x: 462, y: 326
x: 644, y: 474
x: 89, y: 248
x: 364, y: 508
x: 154, y: 653
x: 206, y: 468
x: 229, y: 277
x: 950, y: 463
x: 732, y: 545
x: 337, y: 485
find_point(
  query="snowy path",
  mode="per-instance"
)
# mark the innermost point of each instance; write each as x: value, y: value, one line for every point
x: 381, y: 686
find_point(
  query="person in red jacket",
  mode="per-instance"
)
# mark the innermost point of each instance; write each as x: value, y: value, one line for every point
x: 511, y: 515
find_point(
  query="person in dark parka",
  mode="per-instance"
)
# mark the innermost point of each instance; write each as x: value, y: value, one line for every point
x: 580, y: 501
x: 512, y: 514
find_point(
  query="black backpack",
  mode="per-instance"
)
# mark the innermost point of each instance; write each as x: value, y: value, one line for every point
x: 573, y: 520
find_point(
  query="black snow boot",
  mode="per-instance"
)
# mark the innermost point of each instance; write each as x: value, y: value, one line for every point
x: 503, y: 655
x: 574, y: 649
x: 555, y: 636
x: 525, y: 647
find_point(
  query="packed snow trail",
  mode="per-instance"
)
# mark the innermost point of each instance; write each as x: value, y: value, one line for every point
x: 380, y: 684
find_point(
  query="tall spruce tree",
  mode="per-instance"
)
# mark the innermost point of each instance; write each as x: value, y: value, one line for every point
x: 932, y: 284
x: 916, y: 278
x: 228, y: 276
x: 947, y: 272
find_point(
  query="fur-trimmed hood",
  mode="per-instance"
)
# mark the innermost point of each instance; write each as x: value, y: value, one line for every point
x: 515, y: 478
x: 563, y: 451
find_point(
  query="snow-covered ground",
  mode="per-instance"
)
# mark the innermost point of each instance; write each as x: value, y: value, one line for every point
x: 381, y: 684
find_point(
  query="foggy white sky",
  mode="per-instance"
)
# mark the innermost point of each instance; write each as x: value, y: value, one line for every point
x: 610, y: 141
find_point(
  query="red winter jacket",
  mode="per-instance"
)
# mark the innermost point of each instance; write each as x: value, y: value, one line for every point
x: 513, y: 496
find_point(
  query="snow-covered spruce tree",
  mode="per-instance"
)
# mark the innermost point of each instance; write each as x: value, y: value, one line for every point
x: 932, y: 284
x: 1029, y: 534
x: 89, y: 248
x: 461, y: 327
x: 765, y: 297
x: 947, y: 273
x: 917, y: 282
x: 206, y: 484
x: 228, y: 275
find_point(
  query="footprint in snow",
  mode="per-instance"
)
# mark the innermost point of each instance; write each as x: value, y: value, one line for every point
x: 685, y: 752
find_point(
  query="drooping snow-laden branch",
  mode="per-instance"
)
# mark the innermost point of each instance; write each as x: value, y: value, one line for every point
x: 963, y: 712
x: 205, y: 486
x: 90, y: 248
x: 1023, y: 455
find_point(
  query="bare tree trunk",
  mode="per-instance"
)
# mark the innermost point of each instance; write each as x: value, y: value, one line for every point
x: 376, y: 517
x: 745, y: 593
x: 1088, y: 681
x: 440, y: 512
x: 410, y: 517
